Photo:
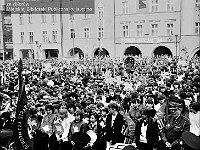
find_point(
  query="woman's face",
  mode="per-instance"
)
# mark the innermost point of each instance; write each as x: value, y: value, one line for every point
x: 92, y: 118
x: 77, y: 117
x: 49, y: 111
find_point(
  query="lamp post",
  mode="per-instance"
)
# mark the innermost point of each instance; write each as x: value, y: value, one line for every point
x: 38, y: 47
x: 176, y: 36
x: 99, y: 51
x: 73, y: 36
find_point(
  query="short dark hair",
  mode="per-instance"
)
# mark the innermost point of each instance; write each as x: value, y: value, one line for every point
x: 72, y: 106
x: 113, y: 105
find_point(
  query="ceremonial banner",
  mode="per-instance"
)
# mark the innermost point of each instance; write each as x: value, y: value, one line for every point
x: 22, y: 139
x: 142, y: 6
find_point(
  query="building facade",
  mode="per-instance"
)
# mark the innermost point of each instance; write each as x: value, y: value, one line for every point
x: 6, y: 50
x: 36, y: 36
x: 117, y: 28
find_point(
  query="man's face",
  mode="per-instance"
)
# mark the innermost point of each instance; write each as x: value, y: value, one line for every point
x: 71, y: 110
x: 111, y: 111
x: 175, y: 108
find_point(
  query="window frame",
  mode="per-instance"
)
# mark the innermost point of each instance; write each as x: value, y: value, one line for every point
x: 31, y: 37
x: 154, y: 29
x: 154, y: 4
x: 170, y: 5
x: 22, y: 37
x: 54, y: 36
x: 125, y: 30
x: 44, y: 17
x: 139, y: 31
x: 21, y: 18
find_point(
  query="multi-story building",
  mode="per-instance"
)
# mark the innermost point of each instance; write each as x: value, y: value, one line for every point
x: 36, y: 35
x: 6, y: 50
x: 151, y: 27
x: 117, y: 28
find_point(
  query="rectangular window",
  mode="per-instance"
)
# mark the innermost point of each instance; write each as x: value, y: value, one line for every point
x: 197, y: 27
x: 139, y: 30
x: 125, y: 31
x: 170, y: 5
x: 53, y: 16
x: 21, y: 18
x: 154, y: 6
x: 197, y: 5
x: 44, y: 17
x: 30, y: 17
x: 170, y: 29
x: 124, y: 7
x: 100, y: 12
x: 30, y: 37
x: 100, y: 32
x: 154, y: 29
x: 86, y: 33
x: 71, y: 17
x: 86, y: 16
x: 72, y: 31
x: 22, y: 37
x: 44, y: 36
x: 54, y: 36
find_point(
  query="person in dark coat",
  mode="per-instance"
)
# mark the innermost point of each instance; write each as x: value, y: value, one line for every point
x: 114, y: 124
x: 146, y: 132
x: 40, y: 140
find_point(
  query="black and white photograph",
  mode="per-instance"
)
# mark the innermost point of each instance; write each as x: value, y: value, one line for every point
x: 99, y: 74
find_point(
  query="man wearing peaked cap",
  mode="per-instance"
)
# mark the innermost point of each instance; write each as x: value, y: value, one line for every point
x: 81, y: 140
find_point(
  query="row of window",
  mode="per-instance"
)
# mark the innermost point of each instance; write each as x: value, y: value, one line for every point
x: 154, y: 5
x: 44, y: 37
x: 154, y: 29
x: 86, y: 33
x: 125, y: 32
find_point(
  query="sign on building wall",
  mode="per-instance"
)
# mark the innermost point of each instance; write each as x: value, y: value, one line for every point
x: 142, y: 6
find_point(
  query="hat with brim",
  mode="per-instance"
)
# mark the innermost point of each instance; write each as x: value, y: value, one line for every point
x: 191, y: 140
x: 81, y: 139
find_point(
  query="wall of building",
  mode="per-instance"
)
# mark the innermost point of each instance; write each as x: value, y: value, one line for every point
x: 183, y: 18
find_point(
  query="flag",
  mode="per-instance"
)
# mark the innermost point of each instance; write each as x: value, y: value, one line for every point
x: 22, y: 139
x: 142, y: 4
x: 20, y: 78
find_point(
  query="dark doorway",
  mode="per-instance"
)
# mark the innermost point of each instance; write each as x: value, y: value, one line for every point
x: 132, y: 51
x: 162, y: 50
x: 25, y: 53
x: 77, y: 51
x: 51, y: 53
x: 102, y: 52
x: 197, y: 53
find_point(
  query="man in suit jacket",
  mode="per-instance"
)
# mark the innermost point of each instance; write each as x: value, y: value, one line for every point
x: 114, y: 124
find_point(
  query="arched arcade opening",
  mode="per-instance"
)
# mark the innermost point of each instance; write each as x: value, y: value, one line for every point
x: 102, y: 52
x: 162, y: 50
x: 77, y: 52
x: 197, y: 54
x: 132, y: 51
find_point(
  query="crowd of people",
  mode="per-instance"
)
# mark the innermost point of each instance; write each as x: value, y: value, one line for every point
x: 149, y: 103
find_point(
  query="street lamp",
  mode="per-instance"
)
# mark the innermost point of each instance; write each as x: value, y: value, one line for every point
x: 38, y: 47
x: 176, y: 36
x: 99, y: 52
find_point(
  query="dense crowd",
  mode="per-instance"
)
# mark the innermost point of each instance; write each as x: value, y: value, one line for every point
x: 149, y: 103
